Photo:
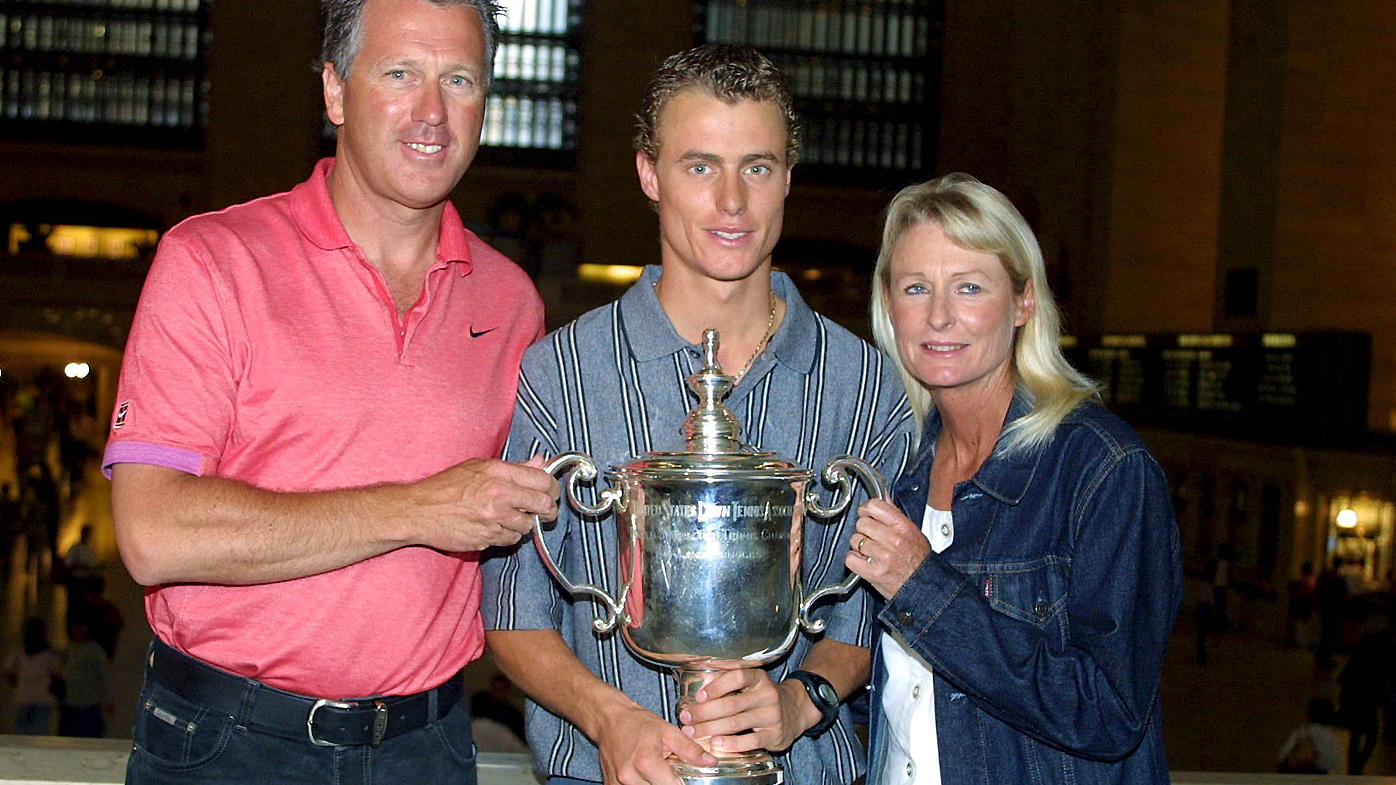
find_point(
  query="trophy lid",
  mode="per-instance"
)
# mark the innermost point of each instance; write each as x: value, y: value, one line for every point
x: 712, y: 435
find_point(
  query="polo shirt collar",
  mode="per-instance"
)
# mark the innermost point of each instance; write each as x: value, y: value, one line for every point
x: 797, y: 338
x: 315, y: 215
x: 652, y: 336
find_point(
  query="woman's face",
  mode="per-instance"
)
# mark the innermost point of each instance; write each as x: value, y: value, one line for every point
x: 954, y: 312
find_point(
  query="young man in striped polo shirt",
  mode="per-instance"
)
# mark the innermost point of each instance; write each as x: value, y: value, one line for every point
x: 714, y: 152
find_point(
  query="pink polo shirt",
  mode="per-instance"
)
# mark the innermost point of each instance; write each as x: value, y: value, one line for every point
x: 267, y: 349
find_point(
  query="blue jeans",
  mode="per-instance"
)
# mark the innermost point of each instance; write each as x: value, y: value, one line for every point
x: 177, y: 741
x: 33, y: 719
x: 83, y: 722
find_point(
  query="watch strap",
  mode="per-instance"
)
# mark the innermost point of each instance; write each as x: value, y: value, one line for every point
x: 824, y: 697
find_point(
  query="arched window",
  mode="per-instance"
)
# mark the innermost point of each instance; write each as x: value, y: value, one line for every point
x: 127, y: 72
x: 533, y: 103
x: 865, y: 73
x: 39, y: 228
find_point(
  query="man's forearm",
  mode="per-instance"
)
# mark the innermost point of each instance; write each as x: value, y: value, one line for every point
x: 633, y: 743
x: 846, y: 666
x: 176, y: 527
x: 539, y: 662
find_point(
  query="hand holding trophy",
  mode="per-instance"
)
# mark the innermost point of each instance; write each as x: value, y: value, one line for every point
x: 710, y: 551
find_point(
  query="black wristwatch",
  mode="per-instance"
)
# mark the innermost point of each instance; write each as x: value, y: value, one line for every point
x: 824, y: 697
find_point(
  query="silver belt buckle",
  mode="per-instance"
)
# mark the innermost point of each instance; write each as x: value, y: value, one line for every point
x: 310, y: 719
x: 380, y: 723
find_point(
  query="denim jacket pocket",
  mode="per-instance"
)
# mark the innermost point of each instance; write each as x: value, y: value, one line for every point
x: 1033, y: 591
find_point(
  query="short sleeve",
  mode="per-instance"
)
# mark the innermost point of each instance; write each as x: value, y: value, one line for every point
x: 174, y: 401
x: 518, y: 591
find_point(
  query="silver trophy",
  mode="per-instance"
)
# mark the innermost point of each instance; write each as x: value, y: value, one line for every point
x: 709, y: 544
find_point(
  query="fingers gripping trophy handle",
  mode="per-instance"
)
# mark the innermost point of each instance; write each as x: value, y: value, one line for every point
x: 584, y: 470
x: 837, y: 473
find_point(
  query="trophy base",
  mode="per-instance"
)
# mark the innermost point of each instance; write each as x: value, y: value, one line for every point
x: 751, y: 769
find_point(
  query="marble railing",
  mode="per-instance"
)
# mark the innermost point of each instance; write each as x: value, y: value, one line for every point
x: 50, y: 760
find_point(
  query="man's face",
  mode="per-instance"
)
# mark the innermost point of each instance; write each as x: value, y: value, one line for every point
x: 409, y: 114
x: 720, y: 183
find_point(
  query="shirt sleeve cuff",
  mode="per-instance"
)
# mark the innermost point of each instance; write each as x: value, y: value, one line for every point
x: 922, y: 599
x: 188, y: 461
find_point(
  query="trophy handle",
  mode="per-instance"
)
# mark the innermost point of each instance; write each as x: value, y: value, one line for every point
x: 836, y: 472
x: 583, y: 470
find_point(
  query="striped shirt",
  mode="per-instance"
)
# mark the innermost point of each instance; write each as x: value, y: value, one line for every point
x: 611, y: 385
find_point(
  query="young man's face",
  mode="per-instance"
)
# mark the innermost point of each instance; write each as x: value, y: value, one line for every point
x: 720, y: 181
x: 410, y: 111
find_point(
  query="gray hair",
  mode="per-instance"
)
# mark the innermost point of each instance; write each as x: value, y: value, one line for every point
x: 343, y: 36
x: 977, y: 217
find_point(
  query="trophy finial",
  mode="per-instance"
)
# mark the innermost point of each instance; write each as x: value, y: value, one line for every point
x: 711, y: 428
x: 710, y: 341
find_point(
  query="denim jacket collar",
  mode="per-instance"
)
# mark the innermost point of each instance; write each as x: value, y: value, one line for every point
x: 1004, y: 478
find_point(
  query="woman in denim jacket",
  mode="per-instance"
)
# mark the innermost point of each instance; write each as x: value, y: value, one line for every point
x: 1030, y: 566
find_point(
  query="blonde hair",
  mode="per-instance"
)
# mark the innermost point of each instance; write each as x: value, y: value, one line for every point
x: 977, y: 217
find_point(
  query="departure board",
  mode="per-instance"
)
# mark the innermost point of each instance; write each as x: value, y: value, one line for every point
x: 1293, y: 387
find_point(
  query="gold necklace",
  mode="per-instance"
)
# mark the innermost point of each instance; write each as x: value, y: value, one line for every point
x: 770, y: 326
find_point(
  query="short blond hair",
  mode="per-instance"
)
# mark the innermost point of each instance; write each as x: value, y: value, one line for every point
x: 977, y: 217
x: 726, y: 72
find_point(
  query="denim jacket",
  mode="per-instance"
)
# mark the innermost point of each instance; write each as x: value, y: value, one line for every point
x: 1046, y: 619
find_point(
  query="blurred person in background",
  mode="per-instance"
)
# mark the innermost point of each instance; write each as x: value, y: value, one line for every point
x: 78, y: 566
x: 101, y: 616
x: 1362, y: 687
x: 40, y: 516
x: 1331, y: 601
x: 81, y: 708
x: 1299, y: 610
x: 34, y: 673
x: 1314, y: 747
x: 10, y: 526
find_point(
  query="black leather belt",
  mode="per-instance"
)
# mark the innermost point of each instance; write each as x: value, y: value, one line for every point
x: 328, y: 723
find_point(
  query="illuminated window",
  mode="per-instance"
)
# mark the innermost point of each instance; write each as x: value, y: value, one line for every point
x: 865, y: 74
x: 92, y: 242
x: 76, y: 229
x: 533, y: 103
x: 104, y: 71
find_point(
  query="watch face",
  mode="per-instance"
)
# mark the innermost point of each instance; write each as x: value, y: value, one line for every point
x: 827, y: 695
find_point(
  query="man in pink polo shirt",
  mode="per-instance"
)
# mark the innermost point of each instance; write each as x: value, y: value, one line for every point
x: 304, y: 451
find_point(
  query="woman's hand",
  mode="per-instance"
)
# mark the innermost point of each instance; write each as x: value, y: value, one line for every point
x: 886, y: 548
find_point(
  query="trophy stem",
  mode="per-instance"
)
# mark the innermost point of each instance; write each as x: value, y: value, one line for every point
x: 691, y: 680
x: 733, y: 768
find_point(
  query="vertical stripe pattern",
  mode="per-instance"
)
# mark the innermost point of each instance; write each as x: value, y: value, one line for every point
x: 611, y: 385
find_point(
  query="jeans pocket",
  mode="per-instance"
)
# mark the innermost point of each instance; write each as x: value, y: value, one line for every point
x: 455, y: 734
x: 173, y: 733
